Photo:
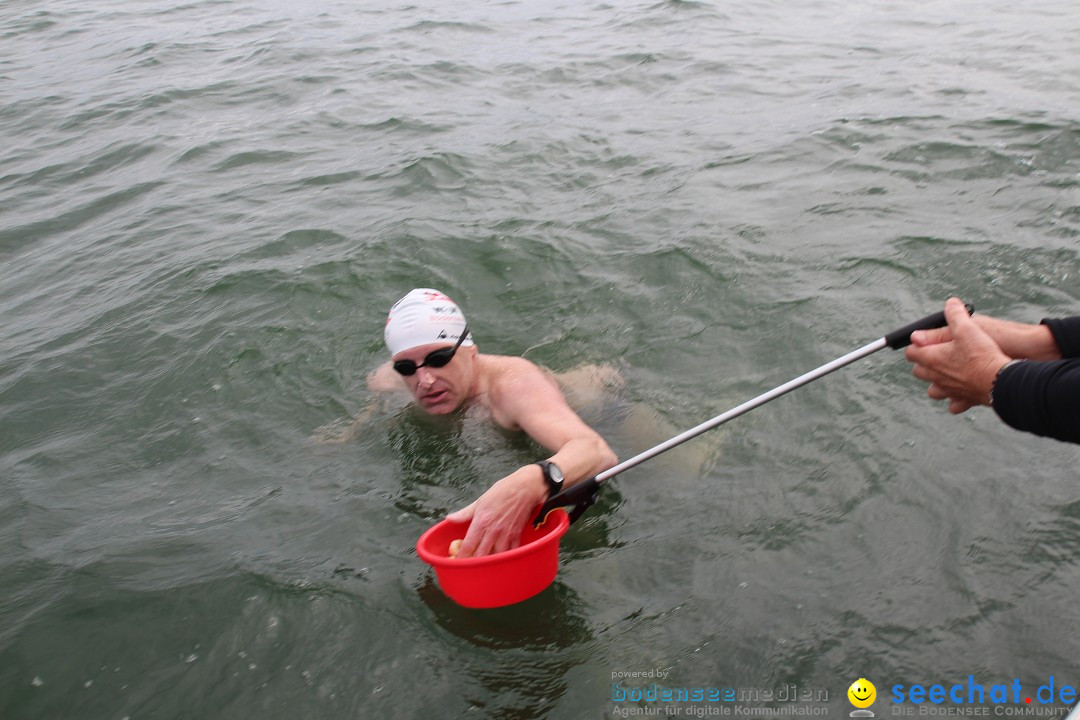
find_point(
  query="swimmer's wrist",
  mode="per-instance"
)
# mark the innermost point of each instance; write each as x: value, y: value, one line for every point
x: 535, y: 482
x: 528, y: 481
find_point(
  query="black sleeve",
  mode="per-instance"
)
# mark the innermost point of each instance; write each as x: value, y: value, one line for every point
x: 1067, y: 334
x: 1041, y: 398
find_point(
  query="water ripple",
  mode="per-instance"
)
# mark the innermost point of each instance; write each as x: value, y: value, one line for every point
x: 209, y: 206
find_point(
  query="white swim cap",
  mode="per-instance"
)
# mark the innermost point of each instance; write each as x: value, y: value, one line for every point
x: 422, y: 317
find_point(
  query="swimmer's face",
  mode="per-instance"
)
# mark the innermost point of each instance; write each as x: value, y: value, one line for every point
x: 440, y: 390
x: 862, y: 693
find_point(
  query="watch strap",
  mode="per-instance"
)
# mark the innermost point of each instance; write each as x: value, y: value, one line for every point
x: 552, y: 485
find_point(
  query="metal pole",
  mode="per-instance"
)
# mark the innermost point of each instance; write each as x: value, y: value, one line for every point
x: 747, y: 406
x: 582, y: 495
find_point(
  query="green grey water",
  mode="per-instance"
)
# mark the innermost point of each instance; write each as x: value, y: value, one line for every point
x: 207, y: 207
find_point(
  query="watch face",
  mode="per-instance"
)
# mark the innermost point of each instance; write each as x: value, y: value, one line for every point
x: 555, y: 472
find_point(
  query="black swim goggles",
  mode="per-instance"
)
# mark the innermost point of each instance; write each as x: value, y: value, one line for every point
x: 435, y: 359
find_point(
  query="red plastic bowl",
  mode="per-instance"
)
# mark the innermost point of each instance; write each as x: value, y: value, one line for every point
x: 495, y: 580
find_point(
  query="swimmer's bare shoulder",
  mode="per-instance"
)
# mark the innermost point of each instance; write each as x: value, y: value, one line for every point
x: 511, y: 379
x: 511, y: 374
x: 578, y: 386
x: 384, y: 379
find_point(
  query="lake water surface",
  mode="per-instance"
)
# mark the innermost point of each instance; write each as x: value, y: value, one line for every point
x: 206, y: 209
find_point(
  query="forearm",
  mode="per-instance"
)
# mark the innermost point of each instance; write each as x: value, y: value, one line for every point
x: 579, y: 459
x: 583, y: 457
x: 1066, y: 333
x: 1023, y: 341
x: 1041, y: 398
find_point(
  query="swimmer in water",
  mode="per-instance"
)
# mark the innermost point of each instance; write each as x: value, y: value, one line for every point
x: 433, y: 356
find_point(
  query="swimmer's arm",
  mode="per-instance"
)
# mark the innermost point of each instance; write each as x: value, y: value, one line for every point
x: 384, y: 384
x: 527, y: 399
x: 343, y: 430
x: 533, y: 402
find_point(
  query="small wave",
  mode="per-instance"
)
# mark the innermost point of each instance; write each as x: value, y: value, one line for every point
x: 120, y: 110
x: 426, y: 26
x: 404, y: 125
x: 36, y: 23
x: 256, y: 157
x: 960, y: 161
x: 327, y: 179
x: 441, y: 171
x: 441, y: 73
x: 292, y: 243
x: 80, y: 169
x: 873, y: 264
x: 15, y: 237
x: 199, y: 150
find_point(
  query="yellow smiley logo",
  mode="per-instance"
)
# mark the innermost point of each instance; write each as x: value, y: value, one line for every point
x: 862, y: 693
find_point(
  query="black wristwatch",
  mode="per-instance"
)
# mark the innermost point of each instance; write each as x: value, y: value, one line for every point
x: 552, y: 476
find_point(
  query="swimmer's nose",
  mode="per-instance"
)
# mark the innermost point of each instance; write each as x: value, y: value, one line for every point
x: 425, y: 378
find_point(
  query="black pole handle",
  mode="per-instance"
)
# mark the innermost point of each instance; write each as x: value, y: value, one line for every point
x: 581, y: 495
x: 902, y: 338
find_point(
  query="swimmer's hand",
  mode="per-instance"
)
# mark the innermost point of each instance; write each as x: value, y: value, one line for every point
x: 345, y: 430
x: 341, y: 430
x: 500, y: 514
